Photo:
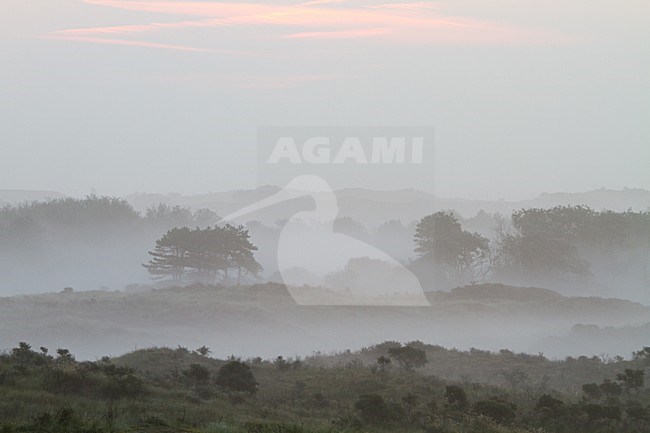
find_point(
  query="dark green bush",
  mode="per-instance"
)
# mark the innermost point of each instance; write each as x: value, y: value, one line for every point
x: 499, y: 410
x: 236, y: 376
x: 456, y: 396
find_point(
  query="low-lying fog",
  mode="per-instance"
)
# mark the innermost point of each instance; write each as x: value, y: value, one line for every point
x: 264, y: 321
x: 93, y: 251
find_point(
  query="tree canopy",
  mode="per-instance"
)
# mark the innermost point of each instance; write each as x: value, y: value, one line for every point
x: 573, y: 244
x: 408, y: 357
x: 207, y: 255
x: 459, y: 256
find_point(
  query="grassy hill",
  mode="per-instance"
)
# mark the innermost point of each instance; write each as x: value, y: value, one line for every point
x: 181, y: 390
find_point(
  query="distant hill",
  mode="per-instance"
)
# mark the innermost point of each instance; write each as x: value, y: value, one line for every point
x: 613, y: 339
x: 370, y: 207
x: 15, y: 196
x: 634, y: 198
x: 376, y: 207
x: 264, y: 320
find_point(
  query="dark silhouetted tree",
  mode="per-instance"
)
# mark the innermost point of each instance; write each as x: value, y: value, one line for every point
x: 171, y: 256
x: 205, y: 255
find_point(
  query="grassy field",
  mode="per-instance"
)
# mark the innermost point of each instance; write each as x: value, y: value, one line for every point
x: 263, y: 320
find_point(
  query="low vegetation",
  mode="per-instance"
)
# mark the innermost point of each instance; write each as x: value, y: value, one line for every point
x: 171, y: 390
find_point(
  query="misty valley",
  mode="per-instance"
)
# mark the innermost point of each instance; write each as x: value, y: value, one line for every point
x: 536, y: 320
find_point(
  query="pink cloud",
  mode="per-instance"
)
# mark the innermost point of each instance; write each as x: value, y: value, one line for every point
x: 205, y: 9
x: 137, y: 28
x: 416, y: 6
x: 412, y: 23
x: 320, y: 2
x: 139, y: 44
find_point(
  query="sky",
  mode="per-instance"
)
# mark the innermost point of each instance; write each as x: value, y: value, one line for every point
x: 167, y: 96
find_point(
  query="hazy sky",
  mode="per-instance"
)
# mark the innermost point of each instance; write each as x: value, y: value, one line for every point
x: 525, y: 96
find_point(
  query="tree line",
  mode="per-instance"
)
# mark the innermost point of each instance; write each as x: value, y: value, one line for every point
x: 91, y: 242
x: 562, y: 245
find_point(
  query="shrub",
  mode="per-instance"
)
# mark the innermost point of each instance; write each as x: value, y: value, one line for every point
x: 638, y: 412
x: 128, y: 386
x: 456, y: 396
x: 548, y: 405
x: 499, y: 410
x: 592, y: 391
x: 64, y: 420
x: 236, y: 376
x: 597, y: 411
x: 197, y: 373
x: 373, y: 409
x: 611, y: 389
x: 67, y: 381
x: 408, y: 357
